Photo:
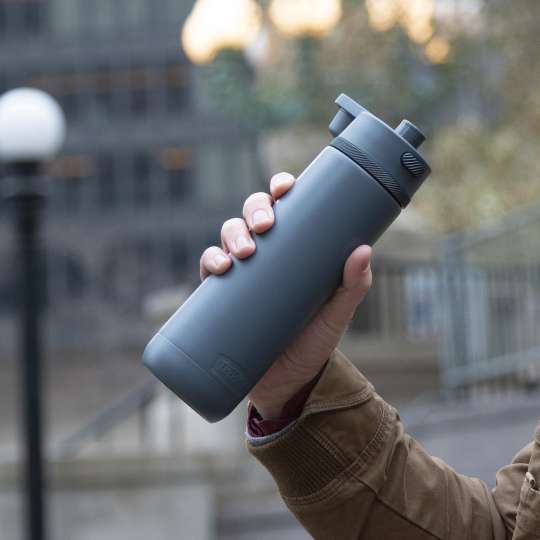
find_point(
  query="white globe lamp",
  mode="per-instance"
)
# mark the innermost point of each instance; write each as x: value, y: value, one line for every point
x: 32, y: 126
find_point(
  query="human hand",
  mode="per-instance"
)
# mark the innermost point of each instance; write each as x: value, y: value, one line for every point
x: 307, y: 354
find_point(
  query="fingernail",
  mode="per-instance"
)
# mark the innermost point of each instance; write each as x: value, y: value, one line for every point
x: 260, y: 216
x: 241, y: 243
x: 281, y: 183
x: 365, y: 266
x: 219, y: 260
x: 282, y: 179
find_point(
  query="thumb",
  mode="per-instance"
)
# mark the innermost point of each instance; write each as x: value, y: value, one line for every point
x: 357, y: 279
x: 357, y: 274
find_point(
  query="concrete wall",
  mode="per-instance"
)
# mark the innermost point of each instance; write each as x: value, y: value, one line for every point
x: 135, y: 499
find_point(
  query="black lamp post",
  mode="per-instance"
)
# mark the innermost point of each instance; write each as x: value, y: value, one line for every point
x: 32, y: 130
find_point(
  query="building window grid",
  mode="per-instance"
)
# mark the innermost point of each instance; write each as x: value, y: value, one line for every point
x: 119, y: 180
x: 83, y: 19
x: 95, y: 96
x: 21, y: 17
x: 106, y: 87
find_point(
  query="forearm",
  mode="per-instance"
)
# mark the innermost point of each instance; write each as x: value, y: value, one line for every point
x: 347, y: 470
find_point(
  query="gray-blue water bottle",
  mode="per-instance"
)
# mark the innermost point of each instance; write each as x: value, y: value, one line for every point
x: 226, y: 335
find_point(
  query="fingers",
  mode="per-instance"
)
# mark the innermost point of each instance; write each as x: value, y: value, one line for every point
x: 213, y: 261
x: 280, y: 184
x: 236, y: 238
x: 235, y: 232
x: 258, y: 212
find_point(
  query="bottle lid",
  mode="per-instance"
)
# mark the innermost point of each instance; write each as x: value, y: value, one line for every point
x: 389, y: 155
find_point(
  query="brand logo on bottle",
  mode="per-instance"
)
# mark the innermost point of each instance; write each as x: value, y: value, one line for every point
x: 229, y: 374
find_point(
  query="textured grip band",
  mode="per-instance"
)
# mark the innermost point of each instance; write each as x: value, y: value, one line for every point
x: 413, y: 164
x: 373, y: 168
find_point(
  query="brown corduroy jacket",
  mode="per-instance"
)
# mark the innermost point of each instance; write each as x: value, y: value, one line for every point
x: 347, y: 470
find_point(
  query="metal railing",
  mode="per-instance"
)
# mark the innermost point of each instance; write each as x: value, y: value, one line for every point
x: 133, y: 404
x: 403, y: 302
x: 490, y: 297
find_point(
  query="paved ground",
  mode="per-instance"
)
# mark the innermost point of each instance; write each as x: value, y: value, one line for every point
x: 475, y: 438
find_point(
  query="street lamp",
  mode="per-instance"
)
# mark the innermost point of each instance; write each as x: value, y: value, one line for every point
x: 417, y: 18
x: 301, y: 18
x: 32, y: 130
x: 217, y: 36
x: 307, y: 21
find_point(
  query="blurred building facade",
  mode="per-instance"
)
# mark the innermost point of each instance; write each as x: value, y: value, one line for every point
x: 148, y: 173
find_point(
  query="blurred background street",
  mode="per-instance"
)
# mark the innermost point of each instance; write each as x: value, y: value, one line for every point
x: 176, y: 112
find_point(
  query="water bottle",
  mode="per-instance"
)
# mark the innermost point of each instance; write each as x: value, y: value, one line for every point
x: 226, y: 335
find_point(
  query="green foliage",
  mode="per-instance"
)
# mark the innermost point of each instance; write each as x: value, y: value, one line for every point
x: 480, y: 110
x: 230, y: 83
x: 485, y: 159
x: 480, y: 172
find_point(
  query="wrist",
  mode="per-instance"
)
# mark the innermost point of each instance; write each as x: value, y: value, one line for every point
x: 284, y: 402
x: 271, y: 407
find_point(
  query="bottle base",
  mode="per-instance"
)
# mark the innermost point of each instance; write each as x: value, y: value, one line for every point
x: 189, y: 381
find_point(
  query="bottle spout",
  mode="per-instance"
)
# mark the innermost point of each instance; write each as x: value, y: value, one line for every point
x: 408, y: 131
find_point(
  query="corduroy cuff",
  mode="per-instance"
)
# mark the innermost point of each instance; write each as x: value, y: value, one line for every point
x: 343, y: 422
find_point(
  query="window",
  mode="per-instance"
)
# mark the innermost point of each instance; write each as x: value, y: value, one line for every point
x: 176, y: 166
x: 107, y: 197
x: 64, y: 86
x: 141, y: 179
x: 8, y: 283
x: 179, y: 259
x: 70, y: 172
x: 75, y: 278
x: 179, y: 184
x: 105, y: 92
x: 21, y: 17
x: 33, y: 16
x: 104, y: 87
x: 177, y: 82
x: 72, y: 195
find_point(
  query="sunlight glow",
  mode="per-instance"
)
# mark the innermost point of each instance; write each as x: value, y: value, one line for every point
x: 415, y: 16
x: 215, y: 24
x: 298, y: 18
x: 437, y: 50
x: 417, y: 19
x: 383, y: 14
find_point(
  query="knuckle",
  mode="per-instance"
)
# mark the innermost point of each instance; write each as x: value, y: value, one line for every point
x: 329, y: 326
x: 207, y: 253
x: 231, y: 224
x: 258, y: 197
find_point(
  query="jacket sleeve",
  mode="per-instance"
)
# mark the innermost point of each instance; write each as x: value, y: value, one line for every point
x: 517, y: 493
x: 347, y: 470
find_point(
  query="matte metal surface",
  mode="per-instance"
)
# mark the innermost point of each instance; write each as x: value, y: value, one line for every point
x: 236, y: 324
